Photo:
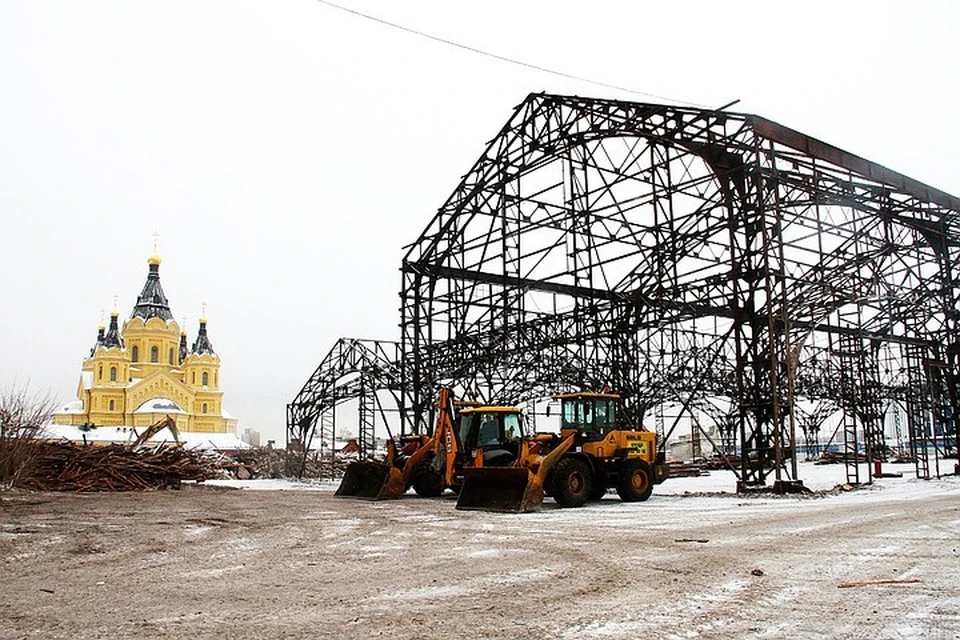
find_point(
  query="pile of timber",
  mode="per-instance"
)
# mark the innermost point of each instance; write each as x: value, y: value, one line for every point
x: 266, y: 462
x: 64, y: 466
x: 834, y: 457
x: 688, y: 469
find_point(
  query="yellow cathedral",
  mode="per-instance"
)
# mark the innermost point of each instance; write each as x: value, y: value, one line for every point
x: 143, y: 371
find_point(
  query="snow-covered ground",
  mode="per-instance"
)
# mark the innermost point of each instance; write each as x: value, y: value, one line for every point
x: 814, y: 476
x: 289, y: 560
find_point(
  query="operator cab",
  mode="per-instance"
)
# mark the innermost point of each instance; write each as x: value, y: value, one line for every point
x: 495, y: 430
x: 592, y: 415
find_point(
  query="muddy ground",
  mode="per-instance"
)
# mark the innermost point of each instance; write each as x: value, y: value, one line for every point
x: 209, y: 562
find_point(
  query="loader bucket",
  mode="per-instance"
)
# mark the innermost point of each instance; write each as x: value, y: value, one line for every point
x: 504, y: 489
x: 371, y: 481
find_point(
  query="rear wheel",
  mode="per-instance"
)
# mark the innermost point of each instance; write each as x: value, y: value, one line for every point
x: 571, y: 482
x: 426, y: 480
x: 636, y: 481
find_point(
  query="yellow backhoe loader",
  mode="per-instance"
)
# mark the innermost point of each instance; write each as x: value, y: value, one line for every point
x: 519, y: 487
x: 464, y: 436
x: 590, y: 455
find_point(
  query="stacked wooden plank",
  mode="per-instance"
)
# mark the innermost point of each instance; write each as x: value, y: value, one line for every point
x: 63, y: 466
x: 688, y: 469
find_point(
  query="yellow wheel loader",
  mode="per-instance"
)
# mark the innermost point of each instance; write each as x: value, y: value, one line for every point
x: 590, y: 455
x: 465, y: 436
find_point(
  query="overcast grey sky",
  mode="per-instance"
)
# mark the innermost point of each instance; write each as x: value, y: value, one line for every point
x: 286, y: 151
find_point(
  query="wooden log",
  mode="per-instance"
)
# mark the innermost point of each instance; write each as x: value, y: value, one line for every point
x: 867, y: 583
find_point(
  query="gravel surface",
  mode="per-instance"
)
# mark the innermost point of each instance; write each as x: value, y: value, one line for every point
x: 211, y: 561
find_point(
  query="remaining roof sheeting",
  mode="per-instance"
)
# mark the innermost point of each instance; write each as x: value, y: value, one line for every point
x: 861, y: 166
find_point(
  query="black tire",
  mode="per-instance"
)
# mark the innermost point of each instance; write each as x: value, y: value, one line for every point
x: 426, y: 480
x: 599, y: 488
x: 571, y: 482
x: 636, y: 481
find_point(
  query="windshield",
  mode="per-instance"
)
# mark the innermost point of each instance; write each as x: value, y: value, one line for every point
x: 468, y: 431
x: 511, y: 426
x: 589, y: 414
x: 605, y: 418
x: 489, y: 428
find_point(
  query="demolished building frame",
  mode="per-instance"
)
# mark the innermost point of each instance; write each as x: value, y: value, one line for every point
x: 719, y: 263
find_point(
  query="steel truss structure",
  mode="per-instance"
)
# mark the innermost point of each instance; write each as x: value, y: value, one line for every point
x: 716, y: 263
x: 359, y: 370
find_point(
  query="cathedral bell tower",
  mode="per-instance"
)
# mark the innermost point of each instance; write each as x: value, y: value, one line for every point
x: 104, y: 376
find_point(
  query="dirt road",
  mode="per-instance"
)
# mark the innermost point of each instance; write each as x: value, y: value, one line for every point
x: 207, y: 562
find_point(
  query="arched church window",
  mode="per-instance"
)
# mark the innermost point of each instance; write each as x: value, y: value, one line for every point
x: 193, y: 377
x: 171, y: 356
x: 205, y: 379
x: 100, y: 373
x: 111, y: 405
x: 136, y: 354
x: 113, y: 375
x: 154, y: 354
x: 204, y: 407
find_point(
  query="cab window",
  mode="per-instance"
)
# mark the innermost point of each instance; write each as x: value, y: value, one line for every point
x: 468, y: 431
x: 605, y: 418
x: 511, y: 427
x: 489, y: 429
x: 577, y: 414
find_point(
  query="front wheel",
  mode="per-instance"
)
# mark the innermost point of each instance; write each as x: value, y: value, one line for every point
x: 571, y: 484
x: 426, y: 480
x: 636, y: 481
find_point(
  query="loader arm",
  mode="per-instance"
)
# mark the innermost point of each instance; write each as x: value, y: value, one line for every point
x: 443, y: 440
x: 373, y: 480
x: 547, y: 461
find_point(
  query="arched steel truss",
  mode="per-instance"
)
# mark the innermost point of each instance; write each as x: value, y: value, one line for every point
x: 359, y: 370
x: 716, y: 262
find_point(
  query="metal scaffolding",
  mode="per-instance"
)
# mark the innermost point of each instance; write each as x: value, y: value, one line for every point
x: 718, y: 263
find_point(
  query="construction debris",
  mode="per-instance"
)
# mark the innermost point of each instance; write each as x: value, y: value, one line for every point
x: 867, y: 583
x: 834, y: 457
x: 64, y: 466
x: 266, y: 462
x: 688, y: 469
